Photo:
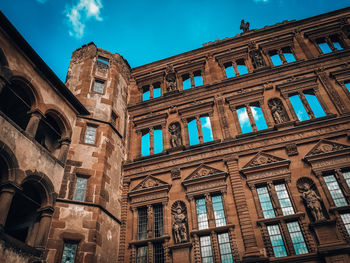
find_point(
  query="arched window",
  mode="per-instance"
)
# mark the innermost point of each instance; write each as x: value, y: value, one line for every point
x: 16, y: 101
x: 49, y: 133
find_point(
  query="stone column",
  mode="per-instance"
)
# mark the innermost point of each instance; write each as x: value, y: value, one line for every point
x: 289, y: 243
x: 222, y: 118
x: 6, y: 195
x: 149, y: 221
x: 44, y: 227
x: 224, y: 204
x: 199, y: 129
x: 192, y: 80
x: 65, y: 142
x: 166, y: 222
x: 264, y: 109
x: 330, y: 44
x: 235, y: 68
x: 150, y: 252
x: 215, y: 246
x: 151, y: 91
x: 280, y: 54
x: 134, y: 222
x: 274, y: 199
x: 133, y: 254
x: 193, y: 213
x: 248, y: 236
x: 306, y: 104
x: 290, y: 108
x: 251, y: 118
x: 236, y: 120
x: 197, y: 252
x: 151, y: 140
x: 33, y: 123
x: 256, y: 201
x: 185, y: 135
x: 210, y: 211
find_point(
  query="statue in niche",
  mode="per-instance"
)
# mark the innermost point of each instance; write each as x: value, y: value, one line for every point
x: 257, y: 59
x: 244, y: 26
x: 278, y: 112
x: 311, y: 199
x: 175, y: 135
x: 180, y: 222
x: 170, y: 77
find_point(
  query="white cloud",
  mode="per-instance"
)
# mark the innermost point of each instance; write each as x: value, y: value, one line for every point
x: 80, y: 13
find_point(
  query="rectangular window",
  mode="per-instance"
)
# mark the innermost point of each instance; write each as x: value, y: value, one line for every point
x: 258, y: 118
x: 230, y: 73
x: 193, y: 132
x: 265, y: 202
x: 156, y: 91
x: 336, y: 42
x: 244, y: 120
x: 90, y: 135
x: 202, y: 216
x: 346, y: 221
x: 322, y: 44
x: 206, y: 251
x: 219, y: 212
x: 299, y: 108
x: 283, y: 198
x: 241, y: 67
x: 206, y: 129
x: 141, y: 255
x: 145, y: 93
x: 198, y: 80
x: 347, y: 85
x: 69, y: 252
x: 277, y: 241
x: 276, y: 60
x: 102, y: 60
x: 158, y: 253
x: 158, y: 141
x: 314, y: 104
x: 225, y: 248
x: 145, y: 143
x: 80, y: 189
x: 142, y: 223
x: 289, y: 57
x: 346, y: 174
x: 98, y: 86
x: 186, y: 82
x: 297, y: 238
x: 335, y: 191
x: 158, y: 220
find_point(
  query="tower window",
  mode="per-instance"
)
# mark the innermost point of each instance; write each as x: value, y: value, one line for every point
x: 98, y: 86
x: 90, y: 135
x: 69, y: 252
x: 80, y: 189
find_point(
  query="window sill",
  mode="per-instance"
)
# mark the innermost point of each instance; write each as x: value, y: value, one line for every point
x: 345, y: 208
x: 277, y: 219
x: 189, y: 147
x: 153, y: 239
x: 207, y: 231
x: 251, y: 134
x: 296, y: 258
x: 329, y: 116
x: 141, y: 158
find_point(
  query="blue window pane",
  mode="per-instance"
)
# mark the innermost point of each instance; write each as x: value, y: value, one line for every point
x: 145, y: 95
x: 80, y: 188
x: 289, y: 57
x: 276, y: 241
x: 337, y: 45
x: 158, y: 141
x: 315, y: 105
x: 297, y: 238
x: 335, y: 191
x: 156, y: 93
x: 198, y: 81
x: 145, y: 144
x: 244, y: 120
x: 186, y: 84
x: 265, y: 202
x: 276, y: 60
x: 206, y: 129
x: 299, y: 108
x: 193, y: 132
x: 347, y: 85
x: 242, y: 69
x: 324, y: 48
x: 258, y: 118
x: 346, y: 220
x: 230, y: 72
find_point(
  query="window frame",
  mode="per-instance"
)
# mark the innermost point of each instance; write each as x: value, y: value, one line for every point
x: 86, y: 177
x: 84, y: 131
x: 100, y: 80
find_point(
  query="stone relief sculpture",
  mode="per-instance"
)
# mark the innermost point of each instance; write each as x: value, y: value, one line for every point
x: 257, y: 59
x: 178, y: 210
x: 244, y: 26
x: 175, y: 135
x: 312, y: 200
x: 170, y: 77
x: 278, y: 111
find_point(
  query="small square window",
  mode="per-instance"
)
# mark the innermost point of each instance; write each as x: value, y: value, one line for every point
x: 98, y: 86
x: 80, y: 189
x: 90, y: 135
x: 103, y: 61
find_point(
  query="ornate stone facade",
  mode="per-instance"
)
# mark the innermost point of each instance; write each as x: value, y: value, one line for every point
x: 249, y: 168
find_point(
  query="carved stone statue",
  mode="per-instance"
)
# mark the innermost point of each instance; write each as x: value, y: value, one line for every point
x: 313, y: 201
x: 180, y: 222
x: 175, y: 135
x: 244, y: 26
x: 257, y: 59
x: 170, y: 77
x: 278, y: 112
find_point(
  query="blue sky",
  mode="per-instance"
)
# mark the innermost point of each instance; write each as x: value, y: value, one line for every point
x: 144, y: 31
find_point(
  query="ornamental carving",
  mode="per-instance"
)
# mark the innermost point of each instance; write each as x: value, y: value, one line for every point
x: 179, y: 213
x: 291, y: 149
x: 325, y: 146
x: 257, y: 59
x: 311, y: 198
x: 150, y: 182
x: 262, y: 159
x: 278, y: 111
x: 175, y: 135
x: 244, y: 26
x: 170, y: 77
x: 175, y: 173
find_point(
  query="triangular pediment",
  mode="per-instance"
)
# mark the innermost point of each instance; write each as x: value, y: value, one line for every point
x: 203, y: 171
x: 149, y: 182
x: 326, y: 146
x: 262, y: 158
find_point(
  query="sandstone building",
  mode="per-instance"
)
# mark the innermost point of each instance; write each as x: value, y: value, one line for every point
x: 238, y: 151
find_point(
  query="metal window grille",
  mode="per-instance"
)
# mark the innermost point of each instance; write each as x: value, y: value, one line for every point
x: 141, y: 255
x: 277, y: 241
x: 206, y: 250
x: 142, y: 223
x: 283, y: 198
x: 158, y: 220
x: 69, y: 252
x: 90, y: 135
x: 225, y: 248
x: 158, y: 253
x: 202, y: 216
x: 80, y: 189
x: 219, y: 212
x: 265, y: 202
x: 335, y: 191
x: 346, y: 221
x: 297, y: 238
